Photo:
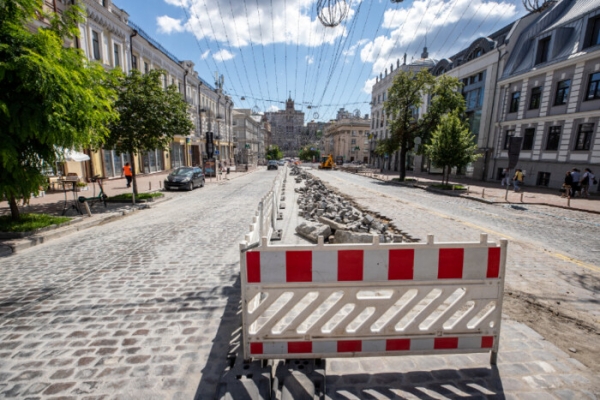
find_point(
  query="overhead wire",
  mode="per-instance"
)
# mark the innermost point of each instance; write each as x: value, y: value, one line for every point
x: 274, y: 52
x: 253, y: 53
x: 263, y: 49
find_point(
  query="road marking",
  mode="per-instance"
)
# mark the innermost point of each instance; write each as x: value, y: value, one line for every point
x: 560, y: 256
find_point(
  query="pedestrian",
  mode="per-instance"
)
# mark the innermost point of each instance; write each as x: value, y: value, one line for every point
x: 505, y: 177
x: 586, y: 179
x: 576, y: 174
x: 518, y: 179
x: 128, y: 174
x: 567, y: 185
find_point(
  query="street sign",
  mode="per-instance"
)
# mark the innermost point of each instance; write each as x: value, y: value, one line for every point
x: 216, y: 152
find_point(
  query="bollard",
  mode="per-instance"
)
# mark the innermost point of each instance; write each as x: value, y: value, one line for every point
x: 149, y: 186
x: 468, y: 189
x: 87, y: 208
x: 483, y: 193
x: 160, y: 184
x: 569, y: 201
x: 522, y: 197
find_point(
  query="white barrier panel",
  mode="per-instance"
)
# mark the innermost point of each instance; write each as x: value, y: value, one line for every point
x: 372, y: 300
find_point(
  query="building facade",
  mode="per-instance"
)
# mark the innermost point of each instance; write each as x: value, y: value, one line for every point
x: 347, y: 138
x: 287, y: 127
x: 549, y: 95
x: 249, y: 132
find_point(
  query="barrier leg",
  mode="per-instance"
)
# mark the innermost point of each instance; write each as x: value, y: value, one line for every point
x: 493, y: 357
x: 87, y: 208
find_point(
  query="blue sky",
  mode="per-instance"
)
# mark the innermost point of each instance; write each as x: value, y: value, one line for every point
x: 269, y: 49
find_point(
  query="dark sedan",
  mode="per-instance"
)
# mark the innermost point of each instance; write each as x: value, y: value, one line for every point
x: 185, y: 178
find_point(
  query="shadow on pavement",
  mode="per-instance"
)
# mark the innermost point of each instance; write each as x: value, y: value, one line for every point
x: 484, y: 383
x: 231, y: 321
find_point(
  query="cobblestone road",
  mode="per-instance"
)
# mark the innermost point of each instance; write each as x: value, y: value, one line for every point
x: 141, y: 308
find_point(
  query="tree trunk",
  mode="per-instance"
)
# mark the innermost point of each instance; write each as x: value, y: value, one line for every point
x: 403, y: 152
x: 133, y: 173
x: 14, y: 208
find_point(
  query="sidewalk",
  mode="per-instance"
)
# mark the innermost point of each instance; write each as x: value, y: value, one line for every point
x: 491, y: 191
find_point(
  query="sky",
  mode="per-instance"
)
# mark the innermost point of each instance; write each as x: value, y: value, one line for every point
x: 269, y: 50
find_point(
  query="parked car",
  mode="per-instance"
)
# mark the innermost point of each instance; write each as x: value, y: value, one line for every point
x: 185, y: 178
x: 281, y: 163
x: 272, y: 164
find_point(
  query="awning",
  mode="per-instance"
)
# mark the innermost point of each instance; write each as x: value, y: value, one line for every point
x: 72, y: 155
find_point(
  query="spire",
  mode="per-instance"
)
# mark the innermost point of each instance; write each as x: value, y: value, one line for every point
x: 425, y: 54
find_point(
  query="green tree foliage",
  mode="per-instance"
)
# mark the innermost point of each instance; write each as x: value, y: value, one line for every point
x: 451, y: 145
x: 149, y: 116
x: 274, y: 153
x: 405, y: 98
x: 50, y: 97
x: 306, y: 154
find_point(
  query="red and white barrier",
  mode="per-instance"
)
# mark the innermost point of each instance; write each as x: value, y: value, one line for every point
x: 372, y: 299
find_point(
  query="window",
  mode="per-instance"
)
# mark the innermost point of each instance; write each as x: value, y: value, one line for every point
x: 593, y: 91
x: 528, y: 138
x: 543, y: 50
x: 536, y: 97
x: 593, y: 33
x: 134, y: 62
x: 584, y: 137
x: 543, y: 178
x: 514, y: 102
x: 95, y: 45
x: 553, y: 138
x: 353, y: 141
x: 117, y: 52
x: 146, y: 67
x: 562, y: 92
x: 509, y: 133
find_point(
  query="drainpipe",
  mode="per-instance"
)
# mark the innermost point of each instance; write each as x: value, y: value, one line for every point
x: 131, y: 48
x: 485, y: 162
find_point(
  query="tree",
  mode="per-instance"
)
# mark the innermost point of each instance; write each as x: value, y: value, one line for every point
x: 405, y: 98
x: 50, y: 97
x: 149, y: 116
x: 273, y: 153
x: 451, y: 145
x: 308, y: 153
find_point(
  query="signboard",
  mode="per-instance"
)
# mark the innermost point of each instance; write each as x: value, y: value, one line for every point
x: 216, y: 152
x: 514, y: 149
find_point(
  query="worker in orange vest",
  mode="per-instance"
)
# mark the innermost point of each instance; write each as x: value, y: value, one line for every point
x: 128, y: 174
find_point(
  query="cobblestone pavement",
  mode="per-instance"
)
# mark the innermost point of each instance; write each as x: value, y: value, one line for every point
x: 141, y: 308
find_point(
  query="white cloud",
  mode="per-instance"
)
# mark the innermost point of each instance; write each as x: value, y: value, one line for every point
x: 272, y: 108
x: 223, y: 55
x: 167, y: 24
x: 446, y: 28
x: 310, y: 60
x: 239, y: 23
x: 352, y: 50
x: 368, y: 87
x: 205, y: 55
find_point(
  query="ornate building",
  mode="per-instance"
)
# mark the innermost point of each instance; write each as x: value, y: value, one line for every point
x: 286, y: 128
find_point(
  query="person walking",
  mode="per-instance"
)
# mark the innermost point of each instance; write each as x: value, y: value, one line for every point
x: 576, y: 174
x: 128, y: 174
x: 518, y: 179
x: 567, y: 185
x: 505, y: 177
x: 586, y: 179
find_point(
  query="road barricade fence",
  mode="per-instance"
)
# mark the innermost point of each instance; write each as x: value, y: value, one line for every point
x: 263, y: 222
x: 344, y: 300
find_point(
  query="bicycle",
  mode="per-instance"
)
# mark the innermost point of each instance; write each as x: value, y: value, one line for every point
x: 101, y: 197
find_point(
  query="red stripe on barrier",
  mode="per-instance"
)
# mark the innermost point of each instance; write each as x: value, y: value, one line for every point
x: 256, y: 348
x: 298, y: 266
x: 253, y: 266
x: 493, y: 266
x: 487, y: 342
x: 299, y: 347
x: 402, y: 264
x: 451, y: 263
x: 397, y: 344
x: 445, y: 343
x: 349, y: 346
x: 350, y: 265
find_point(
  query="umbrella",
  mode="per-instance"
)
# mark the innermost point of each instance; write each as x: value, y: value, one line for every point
x: 72, y: 155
